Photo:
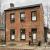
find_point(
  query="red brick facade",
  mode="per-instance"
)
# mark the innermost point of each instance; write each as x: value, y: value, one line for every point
x: 27, y: 24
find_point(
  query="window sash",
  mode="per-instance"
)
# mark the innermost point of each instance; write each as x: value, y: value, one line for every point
x: 34, y: 36
x: 12, y: 17
x: 23, y: 36
x: 12, y: 37
x: 48, y: 35
x: 22, y: 31
x: 22, y: 16
x: 12, y: 34
x: 34, y: 15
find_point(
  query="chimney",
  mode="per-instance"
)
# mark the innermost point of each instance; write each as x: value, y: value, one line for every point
x: 11, y: 5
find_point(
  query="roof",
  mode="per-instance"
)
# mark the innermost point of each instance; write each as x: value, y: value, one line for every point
x: 23, y: 7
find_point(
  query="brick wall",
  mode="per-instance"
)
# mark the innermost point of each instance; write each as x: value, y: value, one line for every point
x: 27, y: 24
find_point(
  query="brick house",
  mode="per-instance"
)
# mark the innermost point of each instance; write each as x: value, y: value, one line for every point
x: 24, y: 24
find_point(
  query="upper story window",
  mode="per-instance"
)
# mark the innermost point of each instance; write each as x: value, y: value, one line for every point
x: 12, y: 34
x: 12, y: 17
x: 22, y: 16
x: 34, y: 15
x: 22, y: 34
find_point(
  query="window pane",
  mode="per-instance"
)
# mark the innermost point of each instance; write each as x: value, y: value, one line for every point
x: 34, y: 36
x: 23, y: 36
x: 48, y: 35
x: 34, y: 31
x: 13, y: 37
x: 22, y: 16
x: 34, y: 15
x: 22, y: 31
x: 12, y: 16
x: 12, y: 34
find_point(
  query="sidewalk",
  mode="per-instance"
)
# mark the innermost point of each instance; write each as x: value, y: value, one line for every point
x: 26, y: 47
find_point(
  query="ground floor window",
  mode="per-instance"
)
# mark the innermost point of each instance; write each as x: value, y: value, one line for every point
x: 48, y: 36
x: 12, y: 34
x: 34, y: 35
x: 22, y: 34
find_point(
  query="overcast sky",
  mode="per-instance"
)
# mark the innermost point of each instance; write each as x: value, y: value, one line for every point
x: 46, y: 6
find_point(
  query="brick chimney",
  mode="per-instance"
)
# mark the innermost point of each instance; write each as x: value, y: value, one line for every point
x: 11, y: 5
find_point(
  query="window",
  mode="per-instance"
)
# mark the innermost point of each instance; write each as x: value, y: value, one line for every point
x: 34, y: 16
x: 12, y: 34
x: 22, y: 16
x: 22, y: 32
x: 12, y: 17
x: 34, y: 31
x: 48, y: 36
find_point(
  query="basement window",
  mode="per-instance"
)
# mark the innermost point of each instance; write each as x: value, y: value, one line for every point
x: 22, y: 32
x: 33, y: 15
x: 22, y: 16
x: 12, y: 34
x: 12, y: 17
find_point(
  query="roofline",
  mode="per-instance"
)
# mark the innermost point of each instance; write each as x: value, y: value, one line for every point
x: 23, y: 7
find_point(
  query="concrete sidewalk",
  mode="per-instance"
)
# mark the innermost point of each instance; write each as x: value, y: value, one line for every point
x: 26, y: 48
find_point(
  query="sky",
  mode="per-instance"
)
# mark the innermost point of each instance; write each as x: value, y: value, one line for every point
x: 46, y: 7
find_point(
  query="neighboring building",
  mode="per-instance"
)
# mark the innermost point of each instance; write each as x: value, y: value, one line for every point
x: 2, y: 31
x: 24, y: 25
